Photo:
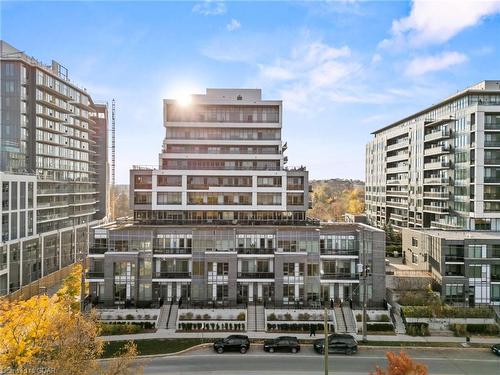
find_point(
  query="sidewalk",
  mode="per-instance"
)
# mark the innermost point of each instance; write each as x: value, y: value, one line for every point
x: 170, y: 334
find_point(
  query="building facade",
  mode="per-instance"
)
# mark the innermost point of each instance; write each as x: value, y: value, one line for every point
x: 223, y: 220
x: 465, y: 263
x: 49, y: 156
x: 440, y: 167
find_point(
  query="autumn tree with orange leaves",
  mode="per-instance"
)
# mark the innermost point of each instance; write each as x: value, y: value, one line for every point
x: 401, y: 364
x: 50, y: 335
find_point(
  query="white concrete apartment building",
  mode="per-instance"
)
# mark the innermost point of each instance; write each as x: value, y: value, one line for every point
x: 48, y: 168
x: 439, y: 167
x: 222, y: 160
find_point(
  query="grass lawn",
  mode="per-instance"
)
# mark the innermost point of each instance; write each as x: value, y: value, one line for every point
x: 152, y: 346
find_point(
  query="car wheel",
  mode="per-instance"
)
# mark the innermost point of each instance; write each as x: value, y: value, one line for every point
x: 294, y: 350
x: 243, y: 350
x: 348, y: 351
x: 220, y: 350
x: 271, y: 350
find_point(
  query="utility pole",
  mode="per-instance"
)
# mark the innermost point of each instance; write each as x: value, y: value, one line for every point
x: 325, y: 346
x: 364, y: 275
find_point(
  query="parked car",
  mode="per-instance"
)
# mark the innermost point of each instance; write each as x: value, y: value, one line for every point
x: 495, y: 349
x: 235, y: 343
x: 337, y: 343
x: 282, y: 344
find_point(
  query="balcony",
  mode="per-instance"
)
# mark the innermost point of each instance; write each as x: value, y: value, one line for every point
x: 255, y: 275
x: 436, y: 195
x: 436, y: 150
x: 172, y: 275
x: 440, y: 134
x: 97, y: 250
x: 397, y: 169
x: 94, y: 275
x: 399, y: 157
x: 396, y: 193
x: 339, y: 276
x: 440, y: 164
x: 492, y: 125
x: 436, y: 209
x: 396, y: 204
x: 295, y: 187
x: 398, y: 145
x: 491, y: 143
x: 253, y: 250
x: 171, y: 250
x: 350, y: 252
x: 398, y: 217
x: 396, y: 181
x: 436, y: 180
x: 453, y: 258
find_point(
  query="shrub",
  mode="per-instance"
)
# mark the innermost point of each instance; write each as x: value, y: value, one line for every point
x: 304, y: 316
x: 288, y: 316
x: 384, y: 318
x: 475, y: 329
x: 417, y: 329
x: 189, y: 315
x: 379, y: 327
x: 206, y: 317
x: 129, y: 317
x: 271, y: 316
x: 182, y: 317
x: 119, y: 317
x: 241, y: 316
x: 198, y: 317
x: 213, y: 326
x: 147, y: 317
x: 359, y: 317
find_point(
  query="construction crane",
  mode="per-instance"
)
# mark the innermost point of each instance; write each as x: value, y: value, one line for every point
x: 113, y: 195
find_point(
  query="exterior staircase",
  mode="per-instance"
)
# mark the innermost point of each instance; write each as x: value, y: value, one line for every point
x: 251, y: 318
x: 161, y: 323
x: 172, y: 316
x: 349, y: 320
x: 260, y: 319
x: 340, y: 325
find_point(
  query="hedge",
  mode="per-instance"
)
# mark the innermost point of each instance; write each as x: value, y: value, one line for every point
x: 296, y: 327
x: 212, y: 326
x: 475, y: 329
x: 417, y: 329
x: 123, y: 328
x: 446, y: 312
x: 379, y: 327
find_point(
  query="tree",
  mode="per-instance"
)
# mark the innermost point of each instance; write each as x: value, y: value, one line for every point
x: 401, y: 364
x: 72, y: 286
x: 46, y: 333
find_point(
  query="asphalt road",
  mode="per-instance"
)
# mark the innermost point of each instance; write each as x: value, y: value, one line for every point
x: 204, y: 361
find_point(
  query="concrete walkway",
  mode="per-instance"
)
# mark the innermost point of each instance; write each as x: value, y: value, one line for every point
x: 171, y: 334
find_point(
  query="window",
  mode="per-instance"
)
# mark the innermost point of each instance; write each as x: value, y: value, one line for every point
x: 414, y: 242
x: 169, y: 198
x: 163, y: 180
x: 13, y: 196
x: 5, y: 196
x: 222, y: 269
x: 476, y: 251
x: 288, y: 269
x: 313, y: 270
x: 475, y: 271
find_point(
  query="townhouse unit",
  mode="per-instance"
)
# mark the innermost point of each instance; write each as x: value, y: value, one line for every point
x: 49, y: 158
x: 465, y: 263
x: 440, y: 167
x: 223, y: 219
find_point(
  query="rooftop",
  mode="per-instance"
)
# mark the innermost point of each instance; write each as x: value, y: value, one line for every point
x: 489, y: 86
x: 459, y: 234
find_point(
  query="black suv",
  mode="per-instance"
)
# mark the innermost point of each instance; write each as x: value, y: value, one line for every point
x: 346, y: 344
x: 283, y: 344
x: 238, y: 343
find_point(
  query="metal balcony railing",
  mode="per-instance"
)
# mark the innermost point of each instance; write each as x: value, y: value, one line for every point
x: 172, y: 275
x: 253, y: 250
x: 171, y: 250
x: 256, y: 275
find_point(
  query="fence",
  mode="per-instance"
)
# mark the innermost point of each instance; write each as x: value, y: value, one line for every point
x: 44, y: 283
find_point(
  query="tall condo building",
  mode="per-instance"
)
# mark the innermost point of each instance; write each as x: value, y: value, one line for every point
x: 440, y: 167
x: 222, y: 220
x: 222, y: 161
x: 52, y: 188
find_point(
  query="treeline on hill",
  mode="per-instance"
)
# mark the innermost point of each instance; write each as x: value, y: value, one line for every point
x: 331, y: 199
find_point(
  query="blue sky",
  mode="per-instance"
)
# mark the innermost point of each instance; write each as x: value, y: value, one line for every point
x: 342, y: 68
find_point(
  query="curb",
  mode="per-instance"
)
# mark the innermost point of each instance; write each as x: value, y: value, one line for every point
x: 187, y: 350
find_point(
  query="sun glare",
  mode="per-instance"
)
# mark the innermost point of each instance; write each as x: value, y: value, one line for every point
x: 183, y: 99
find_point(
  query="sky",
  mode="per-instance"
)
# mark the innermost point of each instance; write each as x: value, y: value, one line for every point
x: 342, y: 68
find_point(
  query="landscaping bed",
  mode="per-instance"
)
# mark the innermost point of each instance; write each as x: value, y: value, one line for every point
x: 153, y: 346
x: 475, y: 329
x: 126, y: 328
x: 211, y: 326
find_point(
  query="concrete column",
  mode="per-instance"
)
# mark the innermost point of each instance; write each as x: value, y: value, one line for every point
x: 42, y: 242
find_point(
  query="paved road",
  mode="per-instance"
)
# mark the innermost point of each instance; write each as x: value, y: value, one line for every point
x: 307, y: 362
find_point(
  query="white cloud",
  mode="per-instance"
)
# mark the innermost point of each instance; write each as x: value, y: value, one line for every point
x: 376, y: 58
x: 210, y: 8
x: 422, y: 65
x: 233, y: 25
x: 434, y: 22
